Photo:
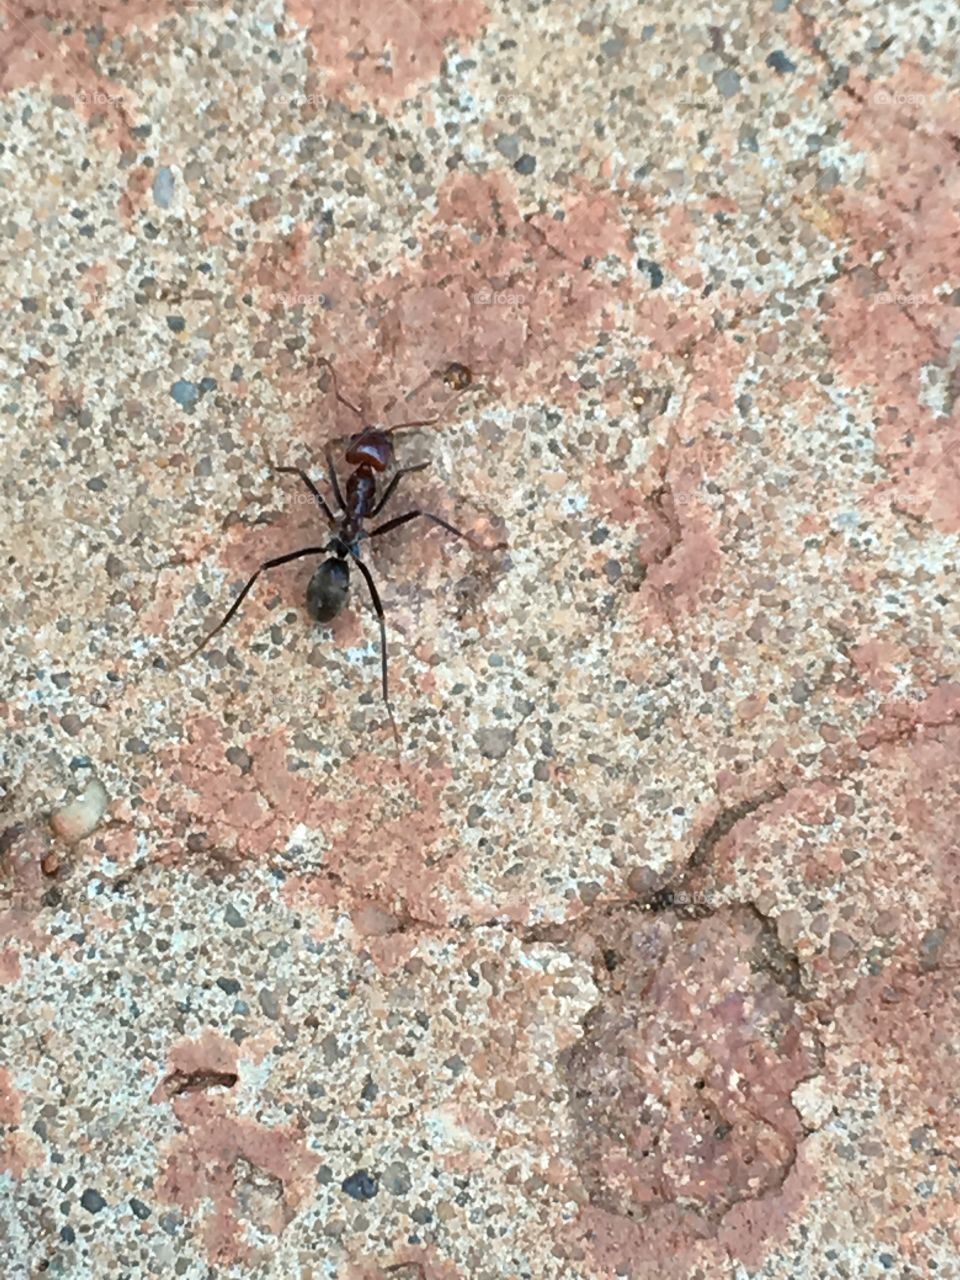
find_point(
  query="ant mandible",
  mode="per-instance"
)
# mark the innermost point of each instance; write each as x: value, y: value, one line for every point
x: 369, y: 453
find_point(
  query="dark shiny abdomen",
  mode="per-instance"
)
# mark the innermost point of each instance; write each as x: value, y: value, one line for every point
x: 328, y: 588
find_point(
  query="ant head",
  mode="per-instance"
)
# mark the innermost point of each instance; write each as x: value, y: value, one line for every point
x: 372, y: 447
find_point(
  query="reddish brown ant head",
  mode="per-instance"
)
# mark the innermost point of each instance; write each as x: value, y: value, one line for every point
x: 371, y: 448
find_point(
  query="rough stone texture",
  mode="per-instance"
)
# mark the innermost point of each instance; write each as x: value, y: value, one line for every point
x: 642, y: 960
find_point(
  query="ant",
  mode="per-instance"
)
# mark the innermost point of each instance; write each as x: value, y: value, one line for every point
x: 369, y: 453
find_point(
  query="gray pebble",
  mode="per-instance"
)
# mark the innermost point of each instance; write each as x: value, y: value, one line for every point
x: 653, y: 270
x: 185, y: 393
x: 494, y: 743
x: 841, y: 944
x: 331, y: 1049
x: 800, y: 692
x: 240, y: 758
x: 396, y: 1179
x: 780, y: 62
x: 163, y: 185
x: 931, y: 945
x: 361, y: 1185
x: 727, y: 82
x: 269, y: 1003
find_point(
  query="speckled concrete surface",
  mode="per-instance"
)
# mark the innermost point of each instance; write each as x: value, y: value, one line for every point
x: 642, y: 959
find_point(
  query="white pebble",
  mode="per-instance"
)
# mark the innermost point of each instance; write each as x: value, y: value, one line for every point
x: 81, y: 816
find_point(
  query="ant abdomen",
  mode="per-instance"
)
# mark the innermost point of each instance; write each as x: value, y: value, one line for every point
x: 327, y: 590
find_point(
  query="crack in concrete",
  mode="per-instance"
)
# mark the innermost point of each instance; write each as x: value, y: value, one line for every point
x: 727, y: 819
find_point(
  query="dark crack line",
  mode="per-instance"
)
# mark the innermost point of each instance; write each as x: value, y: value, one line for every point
x: 727, y: 819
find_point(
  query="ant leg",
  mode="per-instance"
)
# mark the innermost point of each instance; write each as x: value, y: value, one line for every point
x: 427, y: 515
x: 328, y: 365
x: 378, y: 609
x: 318, y: 496
x: 267, y: 564
x: 404, y: 471
x: 335, y: 483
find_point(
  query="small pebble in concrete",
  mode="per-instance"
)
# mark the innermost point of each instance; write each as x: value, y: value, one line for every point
x: 185, y: 393
x: 82, y: 815
x: 727, y: 82
x: 361, y: 1185
x: 931, y: 947
x: 269, y: 1003
x: 653, y: 270
x: 163, y: 186
x: 396, y: 1179
x: 780, y: 62
x: 494, y: 743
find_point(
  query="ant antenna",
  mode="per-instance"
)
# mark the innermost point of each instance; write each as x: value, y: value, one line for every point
x: 457, y: 376
x: 328, y: 365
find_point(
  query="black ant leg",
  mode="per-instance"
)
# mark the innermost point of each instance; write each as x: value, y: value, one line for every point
x: 427, y: 515
x: 328, y: 365
x: 334, y: 482
x: 378, y: 609
x: 318, y: 496
x: 385, y: 497
x: 267, y: 564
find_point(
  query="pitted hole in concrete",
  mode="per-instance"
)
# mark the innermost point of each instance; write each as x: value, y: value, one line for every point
x: 680, y: 1085
x: 178, y: 1082
x: 260, y: 1197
